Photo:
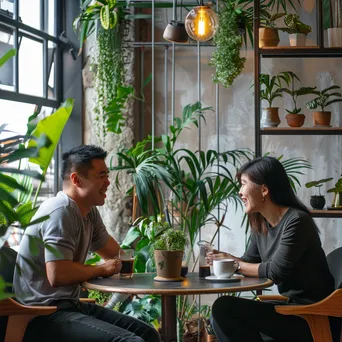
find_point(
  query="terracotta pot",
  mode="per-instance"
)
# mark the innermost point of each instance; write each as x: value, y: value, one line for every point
x: 270, y: 117
x: 295, y: 120
x: 268, y: 37
x: 321, y: 119
x: 297, y: 39
x: 168, y: 265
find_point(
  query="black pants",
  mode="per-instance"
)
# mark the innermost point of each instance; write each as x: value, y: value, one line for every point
x: 83, y: 322
x: 243, y: 320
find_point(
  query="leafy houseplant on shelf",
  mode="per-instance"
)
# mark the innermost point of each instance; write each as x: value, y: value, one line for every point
x: 270, y: 89
x: 268, y: 32
x: 337, y: 190
x: 296, y: 29
x: 168, y: 250
x: 324, y: 98
x: 317, y: 201
x: 294, y: 118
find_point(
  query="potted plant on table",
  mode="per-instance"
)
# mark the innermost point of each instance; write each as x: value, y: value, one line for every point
x: 337, y: 190
x: 270, y: 89
x: 294, y: 118
x: 317, y: 201
x: 168, y: 252
x: 324, y: 98
x: 268, y: 32
x: 296, y: 29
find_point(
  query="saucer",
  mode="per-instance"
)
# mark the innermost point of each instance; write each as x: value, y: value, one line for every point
x: 233, y: 279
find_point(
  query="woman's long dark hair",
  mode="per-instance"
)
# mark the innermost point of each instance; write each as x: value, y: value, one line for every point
x: 270, y: 171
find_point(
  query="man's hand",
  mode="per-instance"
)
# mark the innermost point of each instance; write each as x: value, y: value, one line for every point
x: 111, y: 267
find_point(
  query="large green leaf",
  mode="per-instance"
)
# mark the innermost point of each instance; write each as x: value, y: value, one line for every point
x: 52, y: 126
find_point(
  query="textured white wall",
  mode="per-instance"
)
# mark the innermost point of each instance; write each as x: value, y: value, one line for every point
x: 236, y: 119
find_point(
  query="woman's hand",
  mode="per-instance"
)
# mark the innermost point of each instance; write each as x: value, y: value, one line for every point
x: 215, y: 254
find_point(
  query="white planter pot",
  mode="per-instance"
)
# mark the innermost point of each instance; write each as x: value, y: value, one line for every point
x: 297, y: 39
x: 335, y: 37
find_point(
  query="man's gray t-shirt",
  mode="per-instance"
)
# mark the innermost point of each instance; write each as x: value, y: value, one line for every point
x: 68, y: 232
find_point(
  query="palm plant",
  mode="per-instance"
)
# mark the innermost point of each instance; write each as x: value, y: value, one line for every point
x: 208, y: 176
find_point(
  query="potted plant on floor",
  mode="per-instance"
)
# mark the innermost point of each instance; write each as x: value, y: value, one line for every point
x: 324, y: 98
x: 270, y: 90
x: 296, y: 29
x: 268, y: 32
x: 317, y: 201
x: 337, y: 190
x: 294, y: 118
x: 168, y: 250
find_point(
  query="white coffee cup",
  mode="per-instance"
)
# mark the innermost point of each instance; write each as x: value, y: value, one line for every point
x: 224, y: 268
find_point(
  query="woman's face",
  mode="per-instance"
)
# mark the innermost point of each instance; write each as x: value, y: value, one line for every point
x: 251, y: 195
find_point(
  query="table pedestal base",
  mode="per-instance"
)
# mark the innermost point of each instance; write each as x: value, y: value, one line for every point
x: 169, y: 319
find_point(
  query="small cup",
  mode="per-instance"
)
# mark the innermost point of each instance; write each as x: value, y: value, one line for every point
x: 224, y: 268
x: 127, y: 260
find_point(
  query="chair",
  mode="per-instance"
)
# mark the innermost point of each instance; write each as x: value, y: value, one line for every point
x: 317, y: 314
x: 15, y: 317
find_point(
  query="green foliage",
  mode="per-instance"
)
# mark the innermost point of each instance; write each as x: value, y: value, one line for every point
x: 294, y: 25
x: 8, y: 55
x: 338, y: 186
x: 270, y: 87
x: 291, y: 78
x: 110, y: 92
x: 226, y: 58
x: 267, y: 19
x: 100, y: 297
x: 323, y: 98
x: 142, y: 235
x: 318, y: 184
x: 147, y: 309
x: 171, y: 240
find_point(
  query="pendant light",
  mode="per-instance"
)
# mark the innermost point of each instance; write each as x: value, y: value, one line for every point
x: 201, y: 23
x: 175, y: 30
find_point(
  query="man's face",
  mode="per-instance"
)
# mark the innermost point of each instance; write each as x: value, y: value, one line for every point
x: 95, y: 185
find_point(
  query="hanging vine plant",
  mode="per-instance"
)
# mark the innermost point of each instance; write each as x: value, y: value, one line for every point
x: 226, y: 58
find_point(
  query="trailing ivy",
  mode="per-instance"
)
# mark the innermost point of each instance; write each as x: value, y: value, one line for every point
x: 109, y: 75
x: 226, y: 58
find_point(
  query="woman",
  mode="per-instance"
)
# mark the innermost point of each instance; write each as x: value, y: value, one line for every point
x: 284, y: 247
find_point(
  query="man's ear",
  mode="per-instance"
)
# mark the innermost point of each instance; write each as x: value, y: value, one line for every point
x: 75, y: 179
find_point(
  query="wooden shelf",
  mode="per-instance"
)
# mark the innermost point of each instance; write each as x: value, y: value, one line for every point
x: 301, y: 131
x: 300, y: 51
x: 326, y: 213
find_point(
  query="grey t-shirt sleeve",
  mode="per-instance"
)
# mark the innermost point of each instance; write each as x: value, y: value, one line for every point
x: 60, y: 232
x: 100, y: 234
x: 252, y: 253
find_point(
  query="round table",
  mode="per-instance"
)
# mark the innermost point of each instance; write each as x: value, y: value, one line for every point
x: 143, y: 283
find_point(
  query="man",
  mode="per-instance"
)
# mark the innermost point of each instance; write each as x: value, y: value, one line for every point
x: 73, y: 228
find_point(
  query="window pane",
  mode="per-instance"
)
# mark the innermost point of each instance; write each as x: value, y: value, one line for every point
x: 16, y: 115
x: 29, y: 12
x: 51, y: 17
x: 6, y: 71
x: 51, y: 70
x: 31, y: 67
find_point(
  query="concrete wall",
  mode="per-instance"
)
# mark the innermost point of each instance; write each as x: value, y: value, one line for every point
x: 236, y: 122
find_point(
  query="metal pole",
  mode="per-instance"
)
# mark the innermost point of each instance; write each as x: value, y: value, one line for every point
x: 166, y: 114
x: 153, y: 80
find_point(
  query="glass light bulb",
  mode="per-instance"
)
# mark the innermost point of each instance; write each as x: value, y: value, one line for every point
x: 201, y: 23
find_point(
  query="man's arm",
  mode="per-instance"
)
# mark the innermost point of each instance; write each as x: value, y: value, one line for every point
x: 110, y: 250
x: 67, y: 272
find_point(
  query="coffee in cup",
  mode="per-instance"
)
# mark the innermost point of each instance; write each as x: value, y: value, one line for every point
x: 224, y: 268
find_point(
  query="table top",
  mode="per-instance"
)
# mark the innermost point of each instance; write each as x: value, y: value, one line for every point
x: 143, y: 283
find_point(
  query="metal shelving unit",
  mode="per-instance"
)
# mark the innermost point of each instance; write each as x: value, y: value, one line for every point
x: 318, y: 51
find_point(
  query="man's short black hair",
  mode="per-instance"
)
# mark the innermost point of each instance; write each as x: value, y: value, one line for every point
x: 79, y: 159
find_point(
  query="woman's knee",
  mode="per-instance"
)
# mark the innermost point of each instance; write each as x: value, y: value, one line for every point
x: 222, y: 306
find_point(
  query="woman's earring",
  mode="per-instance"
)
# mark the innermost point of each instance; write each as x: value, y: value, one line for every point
x: 263, y: 198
